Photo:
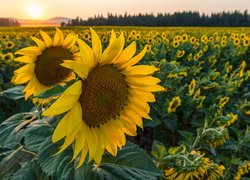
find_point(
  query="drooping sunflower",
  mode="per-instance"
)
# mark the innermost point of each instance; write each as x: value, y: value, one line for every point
x: 191, y: 87
x: 175, y: 102
x: 42, y: 69
x: 108, y: 101
x: 195, y: 168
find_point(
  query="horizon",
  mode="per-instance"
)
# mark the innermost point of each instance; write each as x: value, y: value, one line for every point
x: 44, y: 9
x: 118, y: 14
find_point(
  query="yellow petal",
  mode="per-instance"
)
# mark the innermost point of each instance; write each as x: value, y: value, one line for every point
x: 141, y: 104
x: 92, y: 142
x: 26, y: 68
x: 46, y: 38
x: 30, y: 51
x: 39, y: 43
x: 22, y: 77
x: 65, y: 101
x: 112, y: 51
x: 61, y: 129
x: 135, y: 59
x: 139, y: 70
x: 69, y: 139
x: 83, y: 155
x: 96, y: 44
x: 25, y: 59
x: 79, y: 68
x: 111, y: 147
x: 142, y: 80
x: 69, y: 41
x: 112, y: 37
x: 144, y: 95
x: 131, y: 115
x: 74, y: 89
x: 87, y: 54
x: 75, y: 115
x: 139, y: 111
x: 127, y: 127
x: 79, y: 143
x: 126, y: 54
x: 153, y: 88
x: 58, y: 39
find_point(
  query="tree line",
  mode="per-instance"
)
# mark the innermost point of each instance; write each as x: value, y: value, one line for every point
x: 185, y: 18
x: 9, y: 22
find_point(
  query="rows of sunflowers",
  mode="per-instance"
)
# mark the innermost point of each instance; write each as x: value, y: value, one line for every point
x: 73, y: 98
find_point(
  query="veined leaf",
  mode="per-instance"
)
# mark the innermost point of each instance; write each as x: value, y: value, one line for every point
x: 14, y: 93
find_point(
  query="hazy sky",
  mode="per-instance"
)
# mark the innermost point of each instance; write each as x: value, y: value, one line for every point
x: 87, y: 8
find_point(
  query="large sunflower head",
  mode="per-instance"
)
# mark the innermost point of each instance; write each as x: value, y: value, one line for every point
x: 42, y: 69
x: 108, y: 101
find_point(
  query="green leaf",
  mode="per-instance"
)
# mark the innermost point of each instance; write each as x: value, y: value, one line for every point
x: 131, y: 162
x: 19, y: 155
x: 11, y: 130
x: 158, y: 150
x: 186, y: 135
x: 35, y: 136
x: 14, y: 93
x: 59, y: 165
x: 55, y: 91
x: 30, y: 171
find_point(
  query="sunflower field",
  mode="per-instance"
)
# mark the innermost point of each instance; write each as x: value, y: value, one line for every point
x: 124, y: 103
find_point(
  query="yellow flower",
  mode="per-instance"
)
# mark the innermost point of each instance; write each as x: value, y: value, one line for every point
x: 175, y: 44
x: 202, y: 98
x: 247, y: 112
x: 180, y: 53
x: 184, y: 38
x: 9, y: 45
x: 223, y: 101
x: 219, y: 139
x: 108, y: 101
x: 175, y: 102
x: 214, y: 171
x: 191, y: 87
x: 242, y: 169
x: 42, y: 69
x: 233, y: 118
x: 184, y: 170
x: 197, y: 93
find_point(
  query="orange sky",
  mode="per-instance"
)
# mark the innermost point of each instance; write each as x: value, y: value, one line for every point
x: 87, y: 8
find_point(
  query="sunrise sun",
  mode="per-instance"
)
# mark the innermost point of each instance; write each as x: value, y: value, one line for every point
x: 35, y: 11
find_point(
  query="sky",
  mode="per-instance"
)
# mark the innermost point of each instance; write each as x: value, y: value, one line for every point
x: 44, y: 9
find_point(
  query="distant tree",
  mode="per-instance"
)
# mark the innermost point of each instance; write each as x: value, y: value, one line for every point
x: 9, y: 22
x: 185, y: 18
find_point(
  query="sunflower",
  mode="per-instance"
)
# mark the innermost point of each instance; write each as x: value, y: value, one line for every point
x: 9, y: 45
x: 175, y: 102
x: 218, y: 139
x: 191, y: 87
x: 214, y: 171
x: 42, y: 69
x: 242, y: 169
x: 223, y: 101
x: 107, y: 102
x: 180, y: 53
x: 194, y: 168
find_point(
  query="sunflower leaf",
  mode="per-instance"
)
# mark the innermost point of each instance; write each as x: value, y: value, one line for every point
x: 31, y: 171
x: 55, y: 91
x: 131, y: 162
x: 58, y: 166
x: 12, y: 129
x: 14, y: 93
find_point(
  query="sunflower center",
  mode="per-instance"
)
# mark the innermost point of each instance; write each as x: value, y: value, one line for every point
x: 175, y: 104
x: 104, y: 94
x: 48, y: 70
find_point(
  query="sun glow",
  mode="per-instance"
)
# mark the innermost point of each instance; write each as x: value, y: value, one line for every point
x: 35, y: 11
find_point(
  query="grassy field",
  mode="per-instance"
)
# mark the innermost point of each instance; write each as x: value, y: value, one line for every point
x: 204, y: 112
